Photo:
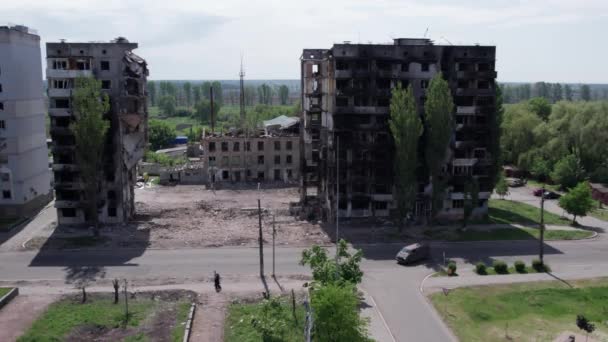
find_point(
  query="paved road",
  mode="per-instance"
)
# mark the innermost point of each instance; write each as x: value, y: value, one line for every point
x: 394, y: 288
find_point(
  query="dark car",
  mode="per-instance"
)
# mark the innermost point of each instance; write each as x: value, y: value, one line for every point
x: 412, y: 253
x: 551, y: 195
x: 515, y: 182
x: 537, y: 192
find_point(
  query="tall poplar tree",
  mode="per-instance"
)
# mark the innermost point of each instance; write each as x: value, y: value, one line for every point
x: 90, y: 128
x: 406, y: 128
x: 438, y: 110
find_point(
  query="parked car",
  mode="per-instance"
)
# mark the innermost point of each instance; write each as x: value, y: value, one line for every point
x: 413, y: 253
x: 551, y: 195
x: 515, y: 182
x: 537, y: 192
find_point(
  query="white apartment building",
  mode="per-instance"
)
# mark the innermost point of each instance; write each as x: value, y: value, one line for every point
x: 24, y: 168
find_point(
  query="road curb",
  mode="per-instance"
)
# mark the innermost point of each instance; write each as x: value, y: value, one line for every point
x: 188, y: 328
x: 9, y: 296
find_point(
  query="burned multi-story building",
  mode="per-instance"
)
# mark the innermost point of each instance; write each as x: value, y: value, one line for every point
x: 123, y: 77
x: 346, y: 93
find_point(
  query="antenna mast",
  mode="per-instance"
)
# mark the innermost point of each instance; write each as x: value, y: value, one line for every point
x: 242, y: 95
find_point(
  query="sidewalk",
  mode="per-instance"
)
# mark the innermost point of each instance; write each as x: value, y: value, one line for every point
x: 378, y: 329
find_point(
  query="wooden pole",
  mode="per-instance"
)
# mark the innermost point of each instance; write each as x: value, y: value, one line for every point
x: 542, y: 227
x: 260, y: 238
x: 274, y: 233
x: 126, y: 303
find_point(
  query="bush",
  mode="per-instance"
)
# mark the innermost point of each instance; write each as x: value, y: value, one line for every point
x: 539, y: 267
x: 520, y: 266
x: 451, y: 268
x: 480, y: 268
x: 500, y: 267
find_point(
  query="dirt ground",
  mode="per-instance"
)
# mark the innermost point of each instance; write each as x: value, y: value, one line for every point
x: 18, y: 315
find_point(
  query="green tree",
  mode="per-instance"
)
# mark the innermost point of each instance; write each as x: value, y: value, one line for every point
x: 438, y: 110
x: 578, y: 201
x: 89, y: 129
x: 203, y: 111
x: 265, y: 94
x: 406, y: 129
x: 568, y: 171
x: 283, y: 94
x: 151, y: 85
x: 568, y: 92
x: 336, y: 314
x: 501, y: 188
x: 167, y: 105
x: 197, y: 94
x: 541, y: 168
x: 205, y: 89
x: 541, y: 107
x: 218, y: 93
x: 188, y: 93
x: 585, y: 92
x: 160, y: 134
x: 329, y: 270
x: 269, y: 322
x: 471, y: 199
x: 250, y: 95
x: 557, y: 92
x: 517, y: 133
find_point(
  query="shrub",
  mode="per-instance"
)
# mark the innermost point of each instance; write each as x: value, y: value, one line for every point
x: 480, y: 268
x: 539, y: 267
x: 451, y: 268
x: 500, y: 267
x: 520, y: 266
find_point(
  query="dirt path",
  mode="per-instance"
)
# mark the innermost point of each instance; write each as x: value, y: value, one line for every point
x: 208, y: 325
x: 18, y: 315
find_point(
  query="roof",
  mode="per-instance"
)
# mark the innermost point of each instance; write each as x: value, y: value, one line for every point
x: 173, y: 149
x: 282, y: 122
x: 603, y: 188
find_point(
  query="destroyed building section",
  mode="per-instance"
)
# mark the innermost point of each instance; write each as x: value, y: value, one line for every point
x: 123, y: 77
x: 346, y: 92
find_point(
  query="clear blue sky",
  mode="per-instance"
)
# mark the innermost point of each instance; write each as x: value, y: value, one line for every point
x: 549, y: 40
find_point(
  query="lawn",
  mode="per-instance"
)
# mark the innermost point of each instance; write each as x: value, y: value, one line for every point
x: 514, y: 233
x: 239, y: 327
x: 159, y: 318
x: 505, y: 211
x: 535, y: 184
x: 536, y: 311
x: 4, y: 290
x: 601, y: 214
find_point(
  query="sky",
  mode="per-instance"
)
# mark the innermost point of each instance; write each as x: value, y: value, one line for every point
x: 548, y: 40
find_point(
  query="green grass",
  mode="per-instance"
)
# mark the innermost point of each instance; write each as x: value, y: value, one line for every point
x: 177, y: 334
x: 533, y: 311
x: 600, y: 214
x: 238, y: 327
x: 155, y: 180
x: 505, y: 234
x: 535, y: 184
x: 65, y: 315
x: 505, y: 211
x: 4, y: 290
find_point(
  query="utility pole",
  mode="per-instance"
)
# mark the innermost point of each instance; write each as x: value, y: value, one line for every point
x: 212, y: 112
x: 274, y: 233
x: 126, y: 303
x: 260, y: 239
x: 542, y: 227
x: 242, y: 94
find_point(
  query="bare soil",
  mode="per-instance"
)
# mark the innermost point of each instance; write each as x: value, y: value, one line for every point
x: 18, y: 315
x: 192, y: 216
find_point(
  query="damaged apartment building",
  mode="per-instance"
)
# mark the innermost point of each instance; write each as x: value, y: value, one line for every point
x: 270, y: 155
x: 346, y: 92
x: 123, y: 77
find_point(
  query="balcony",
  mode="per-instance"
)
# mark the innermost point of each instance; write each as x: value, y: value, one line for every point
x: 68, y: 185
x: 59, y: 73
x: 465, y: 110
x: 60, y: 112
x: 343, y: 74
x: 65, y: 167
x: 67, y: 204
x: 54, y: 92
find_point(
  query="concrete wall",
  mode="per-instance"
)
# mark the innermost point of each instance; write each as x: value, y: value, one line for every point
x: 24, y: 158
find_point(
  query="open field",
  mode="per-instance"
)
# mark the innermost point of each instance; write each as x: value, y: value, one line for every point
x: 239, y: 327
x: 536, y: 311
x: 152, y: 316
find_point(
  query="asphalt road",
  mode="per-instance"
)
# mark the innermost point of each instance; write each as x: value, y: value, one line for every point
x: 394, y: 288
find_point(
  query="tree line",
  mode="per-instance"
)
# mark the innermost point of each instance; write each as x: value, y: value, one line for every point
x: 553, y: 92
